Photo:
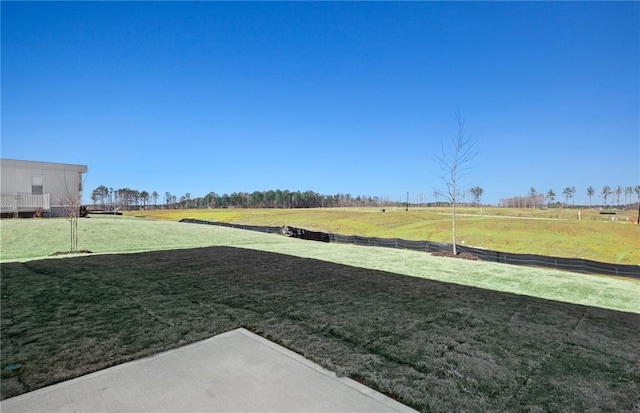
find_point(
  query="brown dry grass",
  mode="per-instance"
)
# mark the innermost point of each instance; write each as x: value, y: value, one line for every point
x: 555, y: 232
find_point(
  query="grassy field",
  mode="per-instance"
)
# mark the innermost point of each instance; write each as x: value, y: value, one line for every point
x: 555, y: 232
x: 455, y: 336
x: 23, y: 240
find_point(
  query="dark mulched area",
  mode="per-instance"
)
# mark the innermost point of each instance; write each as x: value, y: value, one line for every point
x: 463, y: 255
x: 434, y: 346
x: 71, y: 252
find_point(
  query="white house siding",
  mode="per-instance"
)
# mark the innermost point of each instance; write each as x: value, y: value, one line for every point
x: 61, y: 184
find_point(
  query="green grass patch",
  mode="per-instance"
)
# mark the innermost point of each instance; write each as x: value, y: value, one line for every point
x: 24, y: 239
x: 433, y: 345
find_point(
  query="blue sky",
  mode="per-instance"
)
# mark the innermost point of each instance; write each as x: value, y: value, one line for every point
x: 332, y: 97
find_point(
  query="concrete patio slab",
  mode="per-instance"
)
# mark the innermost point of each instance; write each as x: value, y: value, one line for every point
x: 237, y: 371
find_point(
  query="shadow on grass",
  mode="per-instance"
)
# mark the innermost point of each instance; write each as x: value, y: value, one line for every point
x: 431, y: 345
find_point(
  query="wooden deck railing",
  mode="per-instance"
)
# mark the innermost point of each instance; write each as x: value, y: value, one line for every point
x: 24, y: 202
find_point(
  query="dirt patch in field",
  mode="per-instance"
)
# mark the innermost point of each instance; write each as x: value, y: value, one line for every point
x: 463, y: 255
x: 72, y: 252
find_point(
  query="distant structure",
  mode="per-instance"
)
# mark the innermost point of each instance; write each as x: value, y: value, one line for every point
x: 31, y: 188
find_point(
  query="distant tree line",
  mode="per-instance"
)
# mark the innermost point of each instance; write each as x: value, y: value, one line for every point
x: 123, y: 198
x: 127, y: 199
x: 107, y: 198
x: 611, y: 197
x: 278, y: 199
x: 441, y: 199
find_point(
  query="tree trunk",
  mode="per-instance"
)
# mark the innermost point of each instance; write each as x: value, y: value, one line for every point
x: 453, y: 228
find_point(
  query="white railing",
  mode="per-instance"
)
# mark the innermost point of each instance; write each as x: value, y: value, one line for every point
x: 23, y: 201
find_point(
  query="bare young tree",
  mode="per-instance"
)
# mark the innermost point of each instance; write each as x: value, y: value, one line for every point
x: 72, y: 213
x: 456, y: 160
x: 71, y: 205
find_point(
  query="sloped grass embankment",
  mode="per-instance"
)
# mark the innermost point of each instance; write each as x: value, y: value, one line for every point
x: 555, y: 232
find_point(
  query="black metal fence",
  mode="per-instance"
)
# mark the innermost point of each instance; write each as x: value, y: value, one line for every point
x: 566, y: 264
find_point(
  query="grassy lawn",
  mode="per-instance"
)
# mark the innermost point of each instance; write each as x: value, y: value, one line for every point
x: 555, y: 232
x: 433, y: 345
x: 26, y: 239
x: 456, y: 335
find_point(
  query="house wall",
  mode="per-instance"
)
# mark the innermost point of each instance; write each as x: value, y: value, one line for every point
x: 62, y: 181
